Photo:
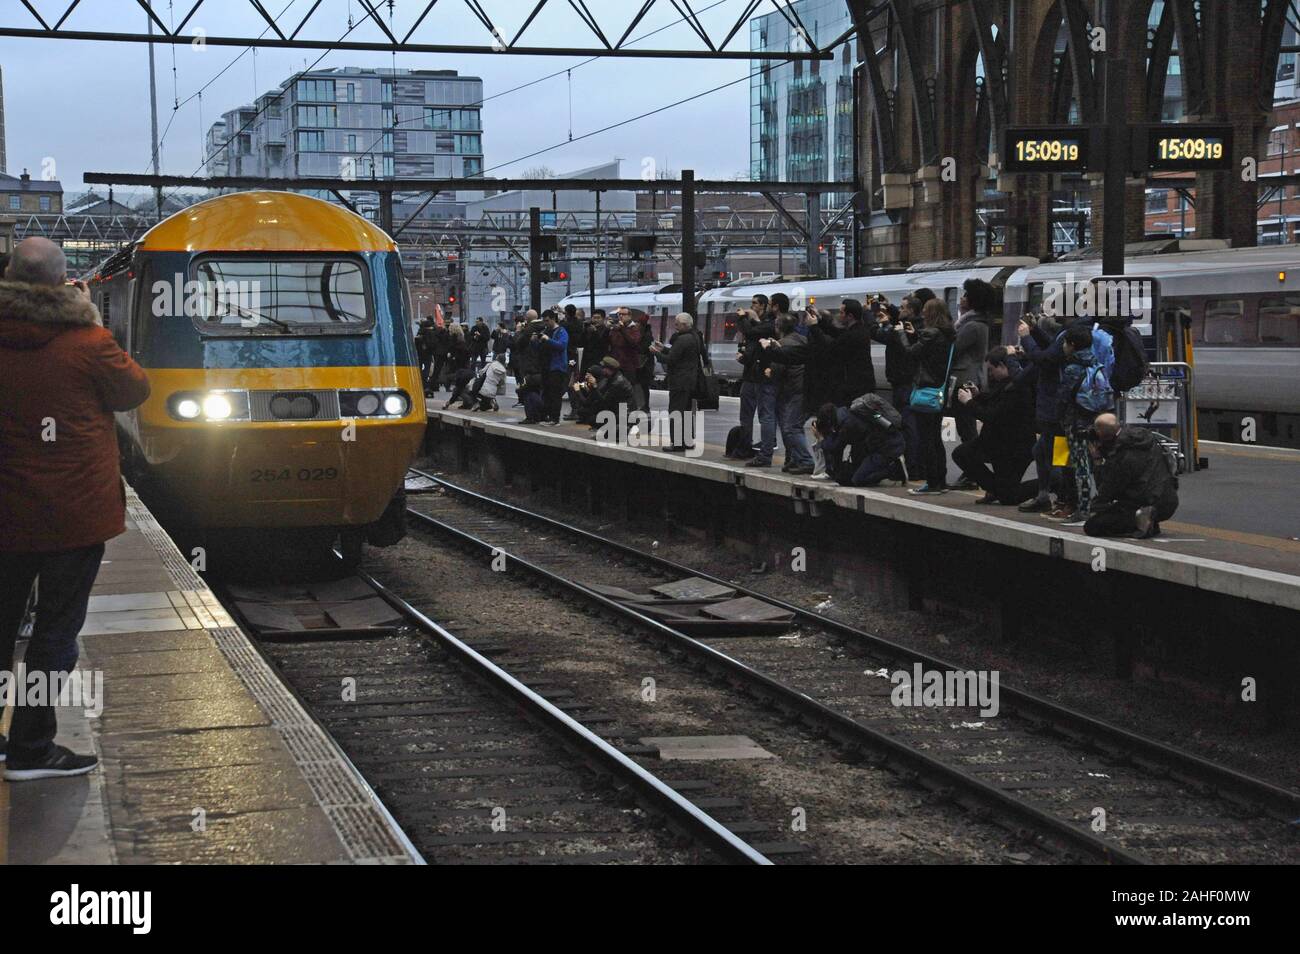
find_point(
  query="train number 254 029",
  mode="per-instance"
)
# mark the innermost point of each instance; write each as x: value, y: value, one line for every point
x: 270, y: 474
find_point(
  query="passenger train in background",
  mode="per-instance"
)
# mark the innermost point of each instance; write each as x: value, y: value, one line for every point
x: 286, y: 396
x: 1240, y: 307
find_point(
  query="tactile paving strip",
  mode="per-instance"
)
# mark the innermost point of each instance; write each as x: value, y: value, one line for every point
x: 366, y: 830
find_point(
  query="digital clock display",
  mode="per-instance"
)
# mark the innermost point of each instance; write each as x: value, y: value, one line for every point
x: 1046, y: 149
x: 1179, y: 146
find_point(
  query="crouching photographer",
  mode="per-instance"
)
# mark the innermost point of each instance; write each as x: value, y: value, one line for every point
x: 872, y: 431
x: 1136, y: 488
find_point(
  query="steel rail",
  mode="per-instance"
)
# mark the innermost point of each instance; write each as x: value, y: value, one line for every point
x: 677, y: 808
x: 1071, y: 723
x: 942, y: 777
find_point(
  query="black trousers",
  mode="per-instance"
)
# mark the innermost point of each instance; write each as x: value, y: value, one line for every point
x: 680, y: 405
x: 553, y: 393
x: 66, y: 577
x: 1120, y: 519
x: 934, y: 459
x: 997, y: 470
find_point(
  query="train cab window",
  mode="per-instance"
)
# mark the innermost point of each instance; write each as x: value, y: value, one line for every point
x: 269, y: 296
x: 1226, y: 322
x: 1279, y: 320
x: 951, y: 296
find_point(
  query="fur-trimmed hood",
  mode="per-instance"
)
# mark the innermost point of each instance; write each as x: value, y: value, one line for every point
x: 31, y: 316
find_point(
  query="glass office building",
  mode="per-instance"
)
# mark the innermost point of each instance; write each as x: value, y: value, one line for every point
x: 801, y: 113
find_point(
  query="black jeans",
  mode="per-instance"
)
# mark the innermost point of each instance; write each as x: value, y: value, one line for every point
x: 934, y: 459
x: 553, y: 393
x: 1120, y: 519
x: 681, y: 420
x: 902, y: 394
x: 66, y: 577
x: 997, y: 470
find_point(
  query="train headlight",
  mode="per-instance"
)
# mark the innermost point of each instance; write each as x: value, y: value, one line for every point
x: 217, y: 407
x: 381, y: 402
x: 224, y: 405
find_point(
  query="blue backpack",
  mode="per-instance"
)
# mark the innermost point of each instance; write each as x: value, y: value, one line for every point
x: 1094, y: 392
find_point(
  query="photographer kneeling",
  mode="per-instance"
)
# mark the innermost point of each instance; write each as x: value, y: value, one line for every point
x: 1137, y: 487
x: 872, y: 429
x: 997, y: 457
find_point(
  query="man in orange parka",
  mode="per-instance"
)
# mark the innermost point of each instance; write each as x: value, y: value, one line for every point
x: 61, y: 497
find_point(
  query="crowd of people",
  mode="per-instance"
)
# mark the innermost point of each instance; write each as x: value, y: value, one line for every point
x: 1046, y: 401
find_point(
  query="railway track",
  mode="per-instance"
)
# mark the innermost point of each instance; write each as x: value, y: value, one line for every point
x: 477, y: 767
x: 1093, y: 788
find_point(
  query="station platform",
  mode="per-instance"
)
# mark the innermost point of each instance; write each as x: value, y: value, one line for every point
x: 1236, y: 532
x: 205, y: 757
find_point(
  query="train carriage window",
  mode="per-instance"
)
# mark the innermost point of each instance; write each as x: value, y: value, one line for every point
x: 951, y: 298
x: 249, y: 295
x: 1226, y: 322
x: 1279, y: 320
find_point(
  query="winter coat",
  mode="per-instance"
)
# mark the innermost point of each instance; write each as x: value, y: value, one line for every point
x: 613, y: 391
x: 900, y: 369
x: 595, y: 346
x: 1007, y: 410
x: 494, y: 379
x: 753, y: 357
x: 844, y: 356
x: 1135, y: 472
x: 457, y: 353
x: 682, y: 361
x: 972, y: 345
x: 930, y: 349
x: 61, y: 378
x: 1043, y: 352
x: 788, y: 365
x: 625, y: 347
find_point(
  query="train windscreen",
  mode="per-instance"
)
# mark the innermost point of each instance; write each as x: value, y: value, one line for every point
x: 272, y: 296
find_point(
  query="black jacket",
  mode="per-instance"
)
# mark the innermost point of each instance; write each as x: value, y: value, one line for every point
x: 788, y: 364
x: 900, y: 369
x: 1136, y: 472
x: 595, y: 345
x: 844, y: 356
x: 613, y: 391
x: 1007, y: 410
x: 752, y: 356
x: 930, y: 349
x: 681, y: 361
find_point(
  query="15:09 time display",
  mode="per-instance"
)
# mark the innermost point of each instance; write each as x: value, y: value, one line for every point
x: 1047, y: 150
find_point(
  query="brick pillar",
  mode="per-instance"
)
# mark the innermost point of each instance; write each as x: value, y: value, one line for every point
x: 1225, y: 205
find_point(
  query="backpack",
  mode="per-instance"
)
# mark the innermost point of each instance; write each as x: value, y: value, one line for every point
x: 1130, y: 359
x: 736, y: 446
x: 873, y: 409
x: 1093, y: 392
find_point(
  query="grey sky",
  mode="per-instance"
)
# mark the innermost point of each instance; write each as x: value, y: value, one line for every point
x: 85, y: 104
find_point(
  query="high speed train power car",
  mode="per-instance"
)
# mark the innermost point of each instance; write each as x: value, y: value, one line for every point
x: 286, y: 391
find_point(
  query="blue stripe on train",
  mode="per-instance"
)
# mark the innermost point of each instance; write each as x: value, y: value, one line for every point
x: 176, y: 342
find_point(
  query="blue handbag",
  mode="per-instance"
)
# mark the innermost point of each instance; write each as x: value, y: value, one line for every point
x: 932, y: 400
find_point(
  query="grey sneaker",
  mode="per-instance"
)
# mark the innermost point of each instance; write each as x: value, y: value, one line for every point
x: 1145, y: 519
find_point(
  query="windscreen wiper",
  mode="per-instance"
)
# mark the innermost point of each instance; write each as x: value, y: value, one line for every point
x: 258, y: 316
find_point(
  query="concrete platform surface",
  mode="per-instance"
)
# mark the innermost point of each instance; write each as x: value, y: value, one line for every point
x: 204, y: 756
x: 1207, y: 545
